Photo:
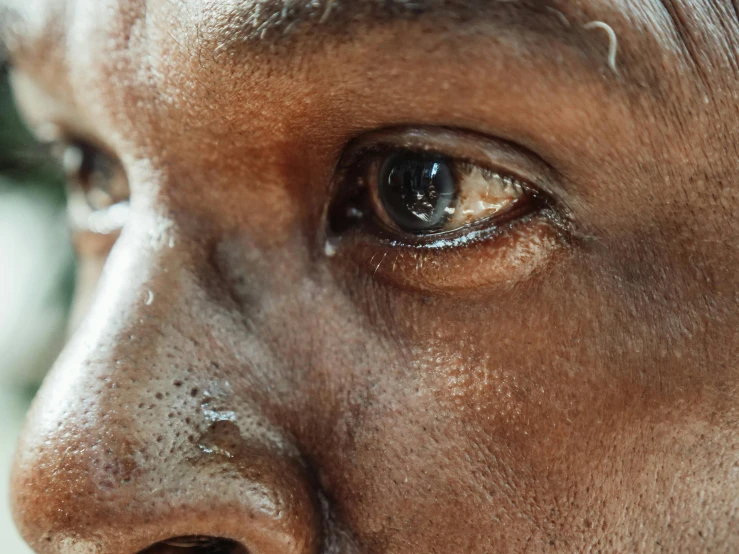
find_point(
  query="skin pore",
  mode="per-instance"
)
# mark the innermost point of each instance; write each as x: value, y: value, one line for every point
x: 263, y: 361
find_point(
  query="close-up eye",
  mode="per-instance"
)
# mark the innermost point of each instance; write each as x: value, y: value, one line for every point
x: 440, y: 209
x: 419, y: 186
x: 97, y: 187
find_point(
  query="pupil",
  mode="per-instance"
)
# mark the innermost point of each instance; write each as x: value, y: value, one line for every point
x: 417, y: 191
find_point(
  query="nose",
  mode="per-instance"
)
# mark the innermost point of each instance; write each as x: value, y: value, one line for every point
x: 146, y: 437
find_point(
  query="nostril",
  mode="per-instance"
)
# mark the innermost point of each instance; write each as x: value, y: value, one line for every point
x: 196, y: 545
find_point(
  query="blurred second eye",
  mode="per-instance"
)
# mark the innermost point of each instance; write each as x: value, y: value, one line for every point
x: 97, y: 187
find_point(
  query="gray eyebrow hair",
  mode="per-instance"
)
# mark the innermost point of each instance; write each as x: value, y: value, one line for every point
x: 277, y: 15
x: 270, y: 25
x: 272, y: 20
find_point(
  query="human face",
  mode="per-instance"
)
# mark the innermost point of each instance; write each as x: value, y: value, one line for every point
x: 295, y: 347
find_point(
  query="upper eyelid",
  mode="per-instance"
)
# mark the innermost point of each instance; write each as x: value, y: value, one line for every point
x: 460, y: 145
x: 444, y: 141
x: 372, y: 153
x: 63, y: 139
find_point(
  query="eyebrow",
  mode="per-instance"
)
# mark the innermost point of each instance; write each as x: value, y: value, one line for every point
x: 269, y: 16
x: 270, y: 23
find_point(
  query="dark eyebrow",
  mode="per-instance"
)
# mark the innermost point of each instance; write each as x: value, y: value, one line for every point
x: 269, y: 16
x: 271, y: 22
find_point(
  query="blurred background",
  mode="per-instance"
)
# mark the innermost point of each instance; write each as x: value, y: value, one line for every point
x: 36, y: 284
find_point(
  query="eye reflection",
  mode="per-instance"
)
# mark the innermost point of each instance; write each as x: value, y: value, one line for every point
x: 417, y: 192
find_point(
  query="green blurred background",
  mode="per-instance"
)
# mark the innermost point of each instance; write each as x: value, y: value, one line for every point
x: 36, y: 284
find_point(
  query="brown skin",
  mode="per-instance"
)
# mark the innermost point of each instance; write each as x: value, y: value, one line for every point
x: 549, y: 389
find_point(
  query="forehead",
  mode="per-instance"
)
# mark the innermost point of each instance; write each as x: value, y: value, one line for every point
x: 169, y: 46
x: 703, y: 31
x: 270, y: 21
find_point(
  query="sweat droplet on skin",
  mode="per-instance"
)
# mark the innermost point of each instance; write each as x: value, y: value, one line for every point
x: 329, y: 249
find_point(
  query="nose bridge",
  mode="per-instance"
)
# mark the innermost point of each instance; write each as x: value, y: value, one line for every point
x: 136, y: 436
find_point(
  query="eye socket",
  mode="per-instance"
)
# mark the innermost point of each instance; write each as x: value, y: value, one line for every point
x: 444, y: 211
x: 419, y: 186
x: 98, y: 193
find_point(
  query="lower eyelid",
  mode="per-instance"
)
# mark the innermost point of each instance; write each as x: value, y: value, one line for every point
x: 506, y: 257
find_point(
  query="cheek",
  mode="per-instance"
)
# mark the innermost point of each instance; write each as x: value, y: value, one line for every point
x: 491, y: 416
